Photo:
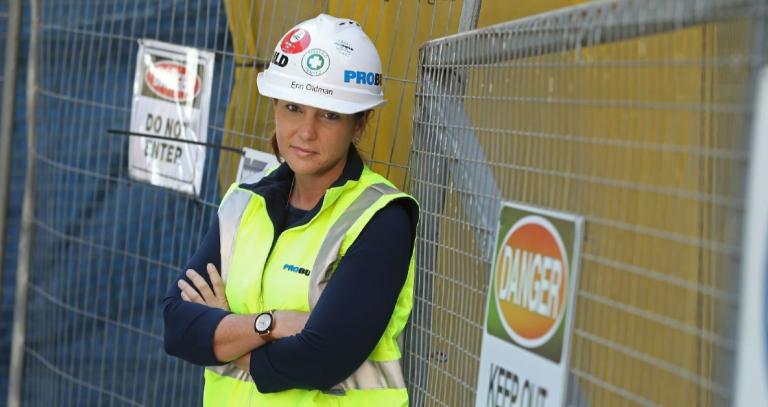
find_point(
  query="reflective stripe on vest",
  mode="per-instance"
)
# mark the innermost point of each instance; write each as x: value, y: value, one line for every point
x: 230, y: 213
x: 371, y: 374
x: 232, y: 210
x: 330, y: 248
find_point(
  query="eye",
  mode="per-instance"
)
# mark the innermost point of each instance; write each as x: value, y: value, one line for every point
x: 291, y: 107
x: 331, y: 116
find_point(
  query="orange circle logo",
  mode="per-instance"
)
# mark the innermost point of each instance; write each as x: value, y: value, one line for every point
x: 531, y: 281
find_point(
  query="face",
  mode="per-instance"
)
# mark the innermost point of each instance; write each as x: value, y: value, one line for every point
x: 314, y: 142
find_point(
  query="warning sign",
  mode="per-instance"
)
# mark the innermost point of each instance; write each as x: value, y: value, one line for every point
x: 171, y: 98
x: 524, y: 357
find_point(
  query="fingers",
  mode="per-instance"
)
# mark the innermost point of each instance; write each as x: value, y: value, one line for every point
x: 188, y: 293
x: 216, y: 281
x: 200, y: 284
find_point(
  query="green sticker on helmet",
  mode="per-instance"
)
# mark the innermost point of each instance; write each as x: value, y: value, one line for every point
x: 315, y: 62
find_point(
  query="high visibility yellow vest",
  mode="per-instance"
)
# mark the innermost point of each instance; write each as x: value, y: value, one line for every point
x: 246, y: 238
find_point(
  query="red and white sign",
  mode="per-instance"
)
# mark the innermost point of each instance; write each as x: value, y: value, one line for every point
x: 169, y: 80
x: 295, y: 41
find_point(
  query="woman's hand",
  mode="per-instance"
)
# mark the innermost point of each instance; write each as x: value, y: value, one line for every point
x: 204, y: 295
x: 288, y: 323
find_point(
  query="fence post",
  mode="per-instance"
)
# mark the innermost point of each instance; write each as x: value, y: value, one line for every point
x: 27, y: 225
x: 470, y: 12
x: 6, y: 118
x: 431, y: 194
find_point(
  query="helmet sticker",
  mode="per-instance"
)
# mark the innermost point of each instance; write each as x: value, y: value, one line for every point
x: 362, y: 77
x: 344, y: 47
x: 315, y: 62
x: 280, y: 59
x: 295, y: 41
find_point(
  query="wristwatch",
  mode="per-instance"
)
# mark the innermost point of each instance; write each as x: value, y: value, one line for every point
x: 263, y: 323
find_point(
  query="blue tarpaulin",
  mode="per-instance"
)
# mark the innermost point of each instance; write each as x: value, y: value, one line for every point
x: 105, y: 247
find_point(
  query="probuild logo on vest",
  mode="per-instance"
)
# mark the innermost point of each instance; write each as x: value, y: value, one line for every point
x: 526, y: 340
x: 295, y: 269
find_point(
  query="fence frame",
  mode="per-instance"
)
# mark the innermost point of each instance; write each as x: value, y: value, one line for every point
x: 442, y: 71
x: 7, y: 113
x: 27, y: 223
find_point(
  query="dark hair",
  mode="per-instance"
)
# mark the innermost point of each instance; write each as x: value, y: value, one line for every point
x: 276, y: 150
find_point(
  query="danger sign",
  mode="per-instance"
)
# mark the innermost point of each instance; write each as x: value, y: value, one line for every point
x: 530, y: 308
x: 530, y: 278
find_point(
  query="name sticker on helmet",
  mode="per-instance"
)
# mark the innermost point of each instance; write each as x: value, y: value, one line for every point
x: 295, y: 41
x: 362, y: 77
x: 308, y: 87
x: 315, y: 62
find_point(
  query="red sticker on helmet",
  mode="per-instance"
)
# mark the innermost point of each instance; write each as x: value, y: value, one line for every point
x: 295, y: 41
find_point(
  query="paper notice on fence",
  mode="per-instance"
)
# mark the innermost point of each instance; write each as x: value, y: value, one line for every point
x: 254, y: 165
x: 171, y: 99
x: 529, y: 313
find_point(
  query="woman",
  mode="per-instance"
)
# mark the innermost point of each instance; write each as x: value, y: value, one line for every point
x: 316, y: 258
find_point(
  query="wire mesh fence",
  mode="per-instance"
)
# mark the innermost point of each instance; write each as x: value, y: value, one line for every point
x: 104, y: 247
x: 633, y: 114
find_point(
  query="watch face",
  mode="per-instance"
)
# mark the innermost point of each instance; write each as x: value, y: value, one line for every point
x: 263, y: 322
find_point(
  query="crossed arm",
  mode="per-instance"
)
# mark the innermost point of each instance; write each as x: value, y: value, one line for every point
x: 199, y: 325
x: 314, y: 353
x: 234, y: 337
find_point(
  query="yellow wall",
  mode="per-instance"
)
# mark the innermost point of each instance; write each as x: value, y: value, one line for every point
x: 499, y: 11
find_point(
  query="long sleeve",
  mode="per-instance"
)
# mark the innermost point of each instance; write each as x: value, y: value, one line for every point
x: 189, y: 327
x: 351, y: 314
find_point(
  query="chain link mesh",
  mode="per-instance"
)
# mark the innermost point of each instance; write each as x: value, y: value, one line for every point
x: 105, y: 247
x: 633, y: 114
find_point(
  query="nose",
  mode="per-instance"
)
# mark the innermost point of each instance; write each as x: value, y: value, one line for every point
x: 308, y: 127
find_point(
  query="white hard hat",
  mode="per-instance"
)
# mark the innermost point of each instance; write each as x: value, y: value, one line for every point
x: 328, y: 63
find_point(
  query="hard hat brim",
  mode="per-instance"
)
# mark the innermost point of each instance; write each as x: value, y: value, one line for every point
x: 279, y: 87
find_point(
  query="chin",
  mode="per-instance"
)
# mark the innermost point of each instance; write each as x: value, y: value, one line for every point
x: 302, y: 167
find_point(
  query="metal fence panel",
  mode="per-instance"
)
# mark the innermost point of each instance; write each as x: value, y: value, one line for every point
x: 633, y: 114
x: 12, y: 160
x: 103, y: 248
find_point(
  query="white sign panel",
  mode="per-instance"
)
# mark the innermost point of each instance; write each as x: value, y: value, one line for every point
x: 171, y: 98
x: 529, y: 313
x: 254, y: 165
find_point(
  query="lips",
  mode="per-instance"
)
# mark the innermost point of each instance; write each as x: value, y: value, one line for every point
x: 302, y: 152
